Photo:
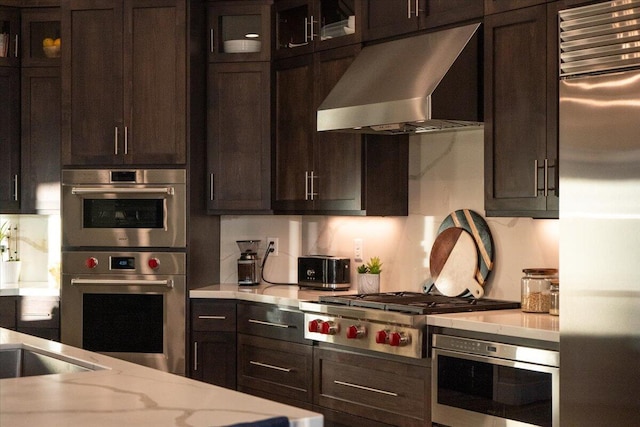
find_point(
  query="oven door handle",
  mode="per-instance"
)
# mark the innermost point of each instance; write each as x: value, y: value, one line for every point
x: 122, y: 282
x: 122, y: 190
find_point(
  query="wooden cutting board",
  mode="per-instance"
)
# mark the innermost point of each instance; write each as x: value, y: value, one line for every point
x: 453, y: 263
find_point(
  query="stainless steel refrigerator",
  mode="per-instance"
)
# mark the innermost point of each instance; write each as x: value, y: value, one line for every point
x: 599, y: 170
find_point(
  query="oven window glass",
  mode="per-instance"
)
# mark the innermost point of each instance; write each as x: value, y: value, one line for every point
x: 123, y: 213
x: 500, y: 391
x: 127, y: 323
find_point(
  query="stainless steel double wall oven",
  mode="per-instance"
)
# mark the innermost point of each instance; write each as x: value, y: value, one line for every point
x: 124, y: 264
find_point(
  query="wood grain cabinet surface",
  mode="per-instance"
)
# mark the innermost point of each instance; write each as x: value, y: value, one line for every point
x: 124, y: 82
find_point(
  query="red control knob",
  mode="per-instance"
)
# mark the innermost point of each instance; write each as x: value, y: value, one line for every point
x: 314, y: 325
x: 154, y: 263
x: 329, y: 328
x: 398, y: 339
x: 91, y: 262
x: 355, y: 331
x: 381, y: 337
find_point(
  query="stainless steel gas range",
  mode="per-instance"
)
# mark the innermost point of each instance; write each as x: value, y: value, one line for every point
x: 392, y: 323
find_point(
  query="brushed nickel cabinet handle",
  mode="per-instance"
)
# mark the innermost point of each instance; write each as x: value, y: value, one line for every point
x: 361, y: 387
x: 261, y: 322
x: 211, y: 49
x: 126, y: 140
x: 17, y: 44
x: 306, y: 185
x: 115, y: 140
x: 16, y: 188
x: 195, y: 355
x: 211, y: 193
x: 535, y: 178
x: 266, y: 365
x: 210, y: 317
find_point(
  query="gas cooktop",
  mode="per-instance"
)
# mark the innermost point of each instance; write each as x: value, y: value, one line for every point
x: 417, y: 303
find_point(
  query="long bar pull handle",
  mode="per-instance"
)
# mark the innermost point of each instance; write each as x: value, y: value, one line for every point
x: 126, y: 140
x: 361, y: 387
x: 126, y: 190
x: 312, y: 177
x: 306, y: 185
x: 535, y: 178
x: 115, y: 140
x: 195, y: 355
x: 311, y: 28
x: 408, y: 9
x: 417, y: 8
x: 266, y: 365
x: 211, y: 193
x: 122, y: 282
x: 211, y: 49
x: 262, y: 322
x: 17, y: 44
x: 546, y: 177
x: 16, y: 188
x: 306, y: 30
x: 212, y: 317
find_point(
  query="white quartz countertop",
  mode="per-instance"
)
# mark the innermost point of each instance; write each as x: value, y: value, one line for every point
x: 286, y: 295
x: 513, y: 323
x: 48, y: 289
x: 126, y: 394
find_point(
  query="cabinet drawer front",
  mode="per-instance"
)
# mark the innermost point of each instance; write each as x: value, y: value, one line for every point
x: 277, y: 367
x: 207, y: 315
x: 271, y: 322
x: 38, y: 312
x: 387, y: 391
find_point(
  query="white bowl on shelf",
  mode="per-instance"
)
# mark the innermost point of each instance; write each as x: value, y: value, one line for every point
x: 242, y: 46
x: 51, y: 51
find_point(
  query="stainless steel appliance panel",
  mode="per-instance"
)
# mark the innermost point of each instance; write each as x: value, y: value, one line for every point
x: 129, y: 305
x: 132, y: 208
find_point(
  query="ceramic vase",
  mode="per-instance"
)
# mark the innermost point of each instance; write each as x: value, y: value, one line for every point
x: 368, y: 283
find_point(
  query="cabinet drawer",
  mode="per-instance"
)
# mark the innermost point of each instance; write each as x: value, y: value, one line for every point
x: 210, y: 315
x: 276, y: 367
x: 38, y: 312
x: 387, y: 391
x: 8, y: 312
x: 272, y: 322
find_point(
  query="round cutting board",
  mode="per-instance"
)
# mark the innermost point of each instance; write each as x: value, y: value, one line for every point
x: 477, y: 227
x: 453, y: 263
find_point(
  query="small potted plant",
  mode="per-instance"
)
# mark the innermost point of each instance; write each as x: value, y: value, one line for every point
x: 369, y: 276
x: 10, y: 269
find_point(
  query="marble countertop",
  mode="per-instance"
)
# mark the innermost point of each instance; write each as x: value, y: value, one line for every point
x: 30, y: 288
x: 126, y: 394
x: 514, y: 323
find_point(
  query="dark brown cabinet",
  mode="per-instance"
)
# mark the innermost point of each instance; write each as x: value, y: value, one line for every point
x: 305, y: 26
x: 239, y: 31
x: 274, y: 359
x: 8, y: 312
x: 350, y: 386
x: 10, y: 140
x: 213, y: 342
x: 521, y: 92
x: 40, y: 27
x: 327, y: 172
x: 124, y: 82
x: 389, y: 18
x: 9, y: 37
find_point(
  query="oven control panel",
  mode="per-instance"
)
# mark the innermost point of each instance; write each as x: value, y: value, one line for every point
x: 365, y: 334
x: 141, y: 263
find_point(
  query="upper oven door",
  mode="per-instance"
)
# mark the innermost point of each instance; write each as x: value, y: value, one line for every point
x: 138, y: 208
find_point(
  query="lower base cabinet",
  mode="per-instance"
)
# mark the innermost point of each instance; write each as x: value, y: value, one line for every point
x: 350, y: 386
x: 33, y: 315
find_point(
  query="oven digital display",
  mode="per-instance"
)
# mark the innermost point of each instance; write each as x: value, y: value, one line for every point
x: 123, y: 263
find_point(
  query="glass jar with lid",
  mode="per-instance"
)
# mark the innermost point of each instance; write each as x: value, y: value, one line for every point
x: 554, y: 293
x: 536, y: 286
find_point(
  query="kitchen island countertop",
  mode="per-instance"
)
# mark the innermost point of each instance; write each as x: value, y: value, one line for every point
x: 514, y: 323
x: 126, y: 394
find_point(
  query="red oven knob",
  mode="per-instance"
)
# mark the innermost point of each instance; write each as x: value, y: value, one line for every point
x: 329, y: 328
x: 381, y: 337
x: 314, y: 325
x: 91, y: 262
x: 154, y: 263
x: 398, y: 339
x: 355, y: 331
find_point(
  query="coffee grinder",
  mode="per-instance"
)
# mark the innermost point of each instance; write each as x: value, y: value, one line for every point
x: 248, y: 263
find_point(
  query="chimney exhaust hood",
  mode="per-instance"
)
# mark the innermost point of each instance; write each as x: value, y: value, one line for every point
x: 425, y: 83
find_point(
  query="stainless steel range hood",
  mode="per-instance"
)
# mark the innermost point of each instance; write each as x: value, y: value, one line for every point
x: 430, y: 82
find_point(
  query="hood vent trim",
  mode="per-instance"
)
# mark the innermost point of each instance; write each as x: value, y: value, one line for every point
x: 426, y: 83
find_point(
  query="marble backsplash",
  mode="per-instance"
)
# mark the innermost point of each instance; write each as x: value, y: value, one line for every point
x: 445, y: 174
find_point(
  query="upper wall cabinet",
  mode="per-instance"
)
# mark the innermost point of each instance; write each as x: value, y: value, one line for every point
x: 521, y: 113
x: 41, y: 42
x: 389, y: 18
x: 124, y: 82
x: 305, y: 26
x: 239, y: 31
x: 10, y: 140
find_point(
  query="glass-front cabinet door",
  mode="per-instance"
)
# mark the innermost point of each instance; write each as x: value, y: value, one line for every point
x: 9, y: 37
x: 41, y: 43
x: 304, y: 26
x: 239, y: 32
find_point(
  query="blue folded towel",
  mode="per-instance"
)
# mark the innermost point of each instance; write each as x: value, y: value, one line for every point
x: 271, y: 422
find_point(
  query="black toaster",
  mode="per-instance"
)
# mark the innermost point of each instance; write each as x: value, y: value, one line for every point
x: 324, y: 271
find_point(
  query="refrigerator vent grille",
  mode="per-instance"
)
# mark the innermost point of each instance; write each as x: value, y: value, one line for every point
x: 600, y: 37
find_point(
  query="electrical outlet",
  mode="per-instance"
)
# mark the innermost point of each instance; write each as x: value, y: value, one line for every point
x: 275, y: 245
x: 357, y: 249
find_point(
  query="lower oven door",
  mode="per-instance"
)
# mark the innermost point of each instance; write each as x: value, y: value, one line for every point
x: 473, y: 390
x: 135, y: 318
